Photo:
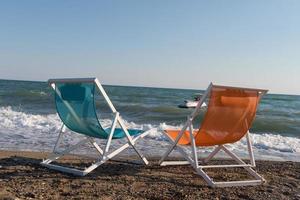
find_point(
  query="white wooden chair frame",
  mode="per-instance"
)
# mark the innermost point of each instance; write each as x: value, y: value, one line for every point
x: 193, y: 159
x: 104, y: 155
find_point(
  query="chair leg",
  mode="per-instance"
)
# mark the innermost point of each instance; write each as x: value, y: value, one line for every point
x: 257, y: 178
x: 167, y: 153
x: 59, y: 138
x: 200, y: 168
x: 132, y: 141
x: 212, y: 154
x: 55, y: 155
x: 193, y: 146
x: 173, y: 146
x: 143, y: 158
x: 116, y: 152
x: 250, y: 149
x: 99, y: 150
x: 104, y: 155
x: 247, y: 168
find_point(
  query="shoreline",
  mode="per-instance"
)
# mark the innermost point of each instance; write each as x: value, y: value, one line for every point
x: 153, y: 157
x: 22, y: 177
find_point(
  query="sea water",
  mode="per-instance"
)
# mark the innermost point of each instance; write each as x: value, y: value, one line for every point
x: 28, y: 120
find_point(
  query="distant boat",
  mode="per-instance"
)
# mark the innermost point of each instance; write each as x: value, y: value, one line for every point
x: 192, y: 103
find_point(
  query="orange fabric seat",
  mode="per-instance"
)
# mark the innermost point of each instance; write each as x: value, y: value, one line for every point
x: 229, y: 116
x: 184, y: 140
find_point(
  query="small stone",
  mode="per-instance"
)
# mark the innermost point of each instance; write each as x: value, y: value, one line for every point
x: 30, y: 195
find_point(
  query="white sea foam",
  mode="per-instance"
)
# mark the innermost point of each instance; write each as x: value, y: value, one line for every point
x: 10, y: 119
x: 23, y: 131
x: 41, y: 93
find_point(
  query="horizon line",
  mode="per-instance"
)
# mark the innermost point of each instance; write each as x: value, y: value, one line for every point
x: 155, y: 87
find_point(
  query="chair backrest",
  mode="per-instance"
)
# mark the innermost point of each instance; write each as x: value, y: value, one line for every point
x: 75, y: 106
x: 229, y: 115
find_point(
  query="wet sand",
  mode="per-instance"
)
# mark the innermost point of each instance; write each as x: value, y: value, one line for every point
x: 21, y: 177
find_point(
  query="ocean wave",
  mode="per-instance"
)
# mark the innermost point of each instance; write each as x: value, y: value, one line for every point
x: 13, y: 119
x: 24, y: 131
x: 29, y: 93
x: 282, y: 98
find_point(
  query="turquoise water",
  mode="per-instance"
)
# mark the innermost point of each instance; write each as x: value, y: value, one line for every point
x: 27, y: 111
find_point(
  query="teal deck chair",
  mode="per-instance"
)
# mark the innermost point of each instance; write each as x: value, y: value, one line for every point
x: 75, y: 105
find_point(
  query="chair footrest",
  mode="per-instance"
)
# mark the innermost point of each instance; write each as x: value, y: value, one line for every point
x: 64, y: 169
x: 220, y: 166
x: 166, y: 163
x: 237, y: 183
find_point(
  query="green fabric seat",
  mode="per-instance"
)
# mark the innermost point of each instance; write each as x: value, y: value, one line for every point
x: 119, y: 133
x: 75, y: 105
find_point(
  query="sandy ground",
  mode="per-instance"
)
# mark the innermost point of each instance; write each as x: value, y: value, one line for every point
x: 21, y: 177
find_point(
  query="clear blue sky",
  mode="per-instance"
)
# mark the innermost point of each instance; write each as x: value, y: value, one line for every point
x: 175, y: 43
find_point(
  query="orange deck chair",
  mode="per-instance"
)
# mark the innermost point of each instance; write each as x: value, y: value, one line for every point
x: 228, y: 118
